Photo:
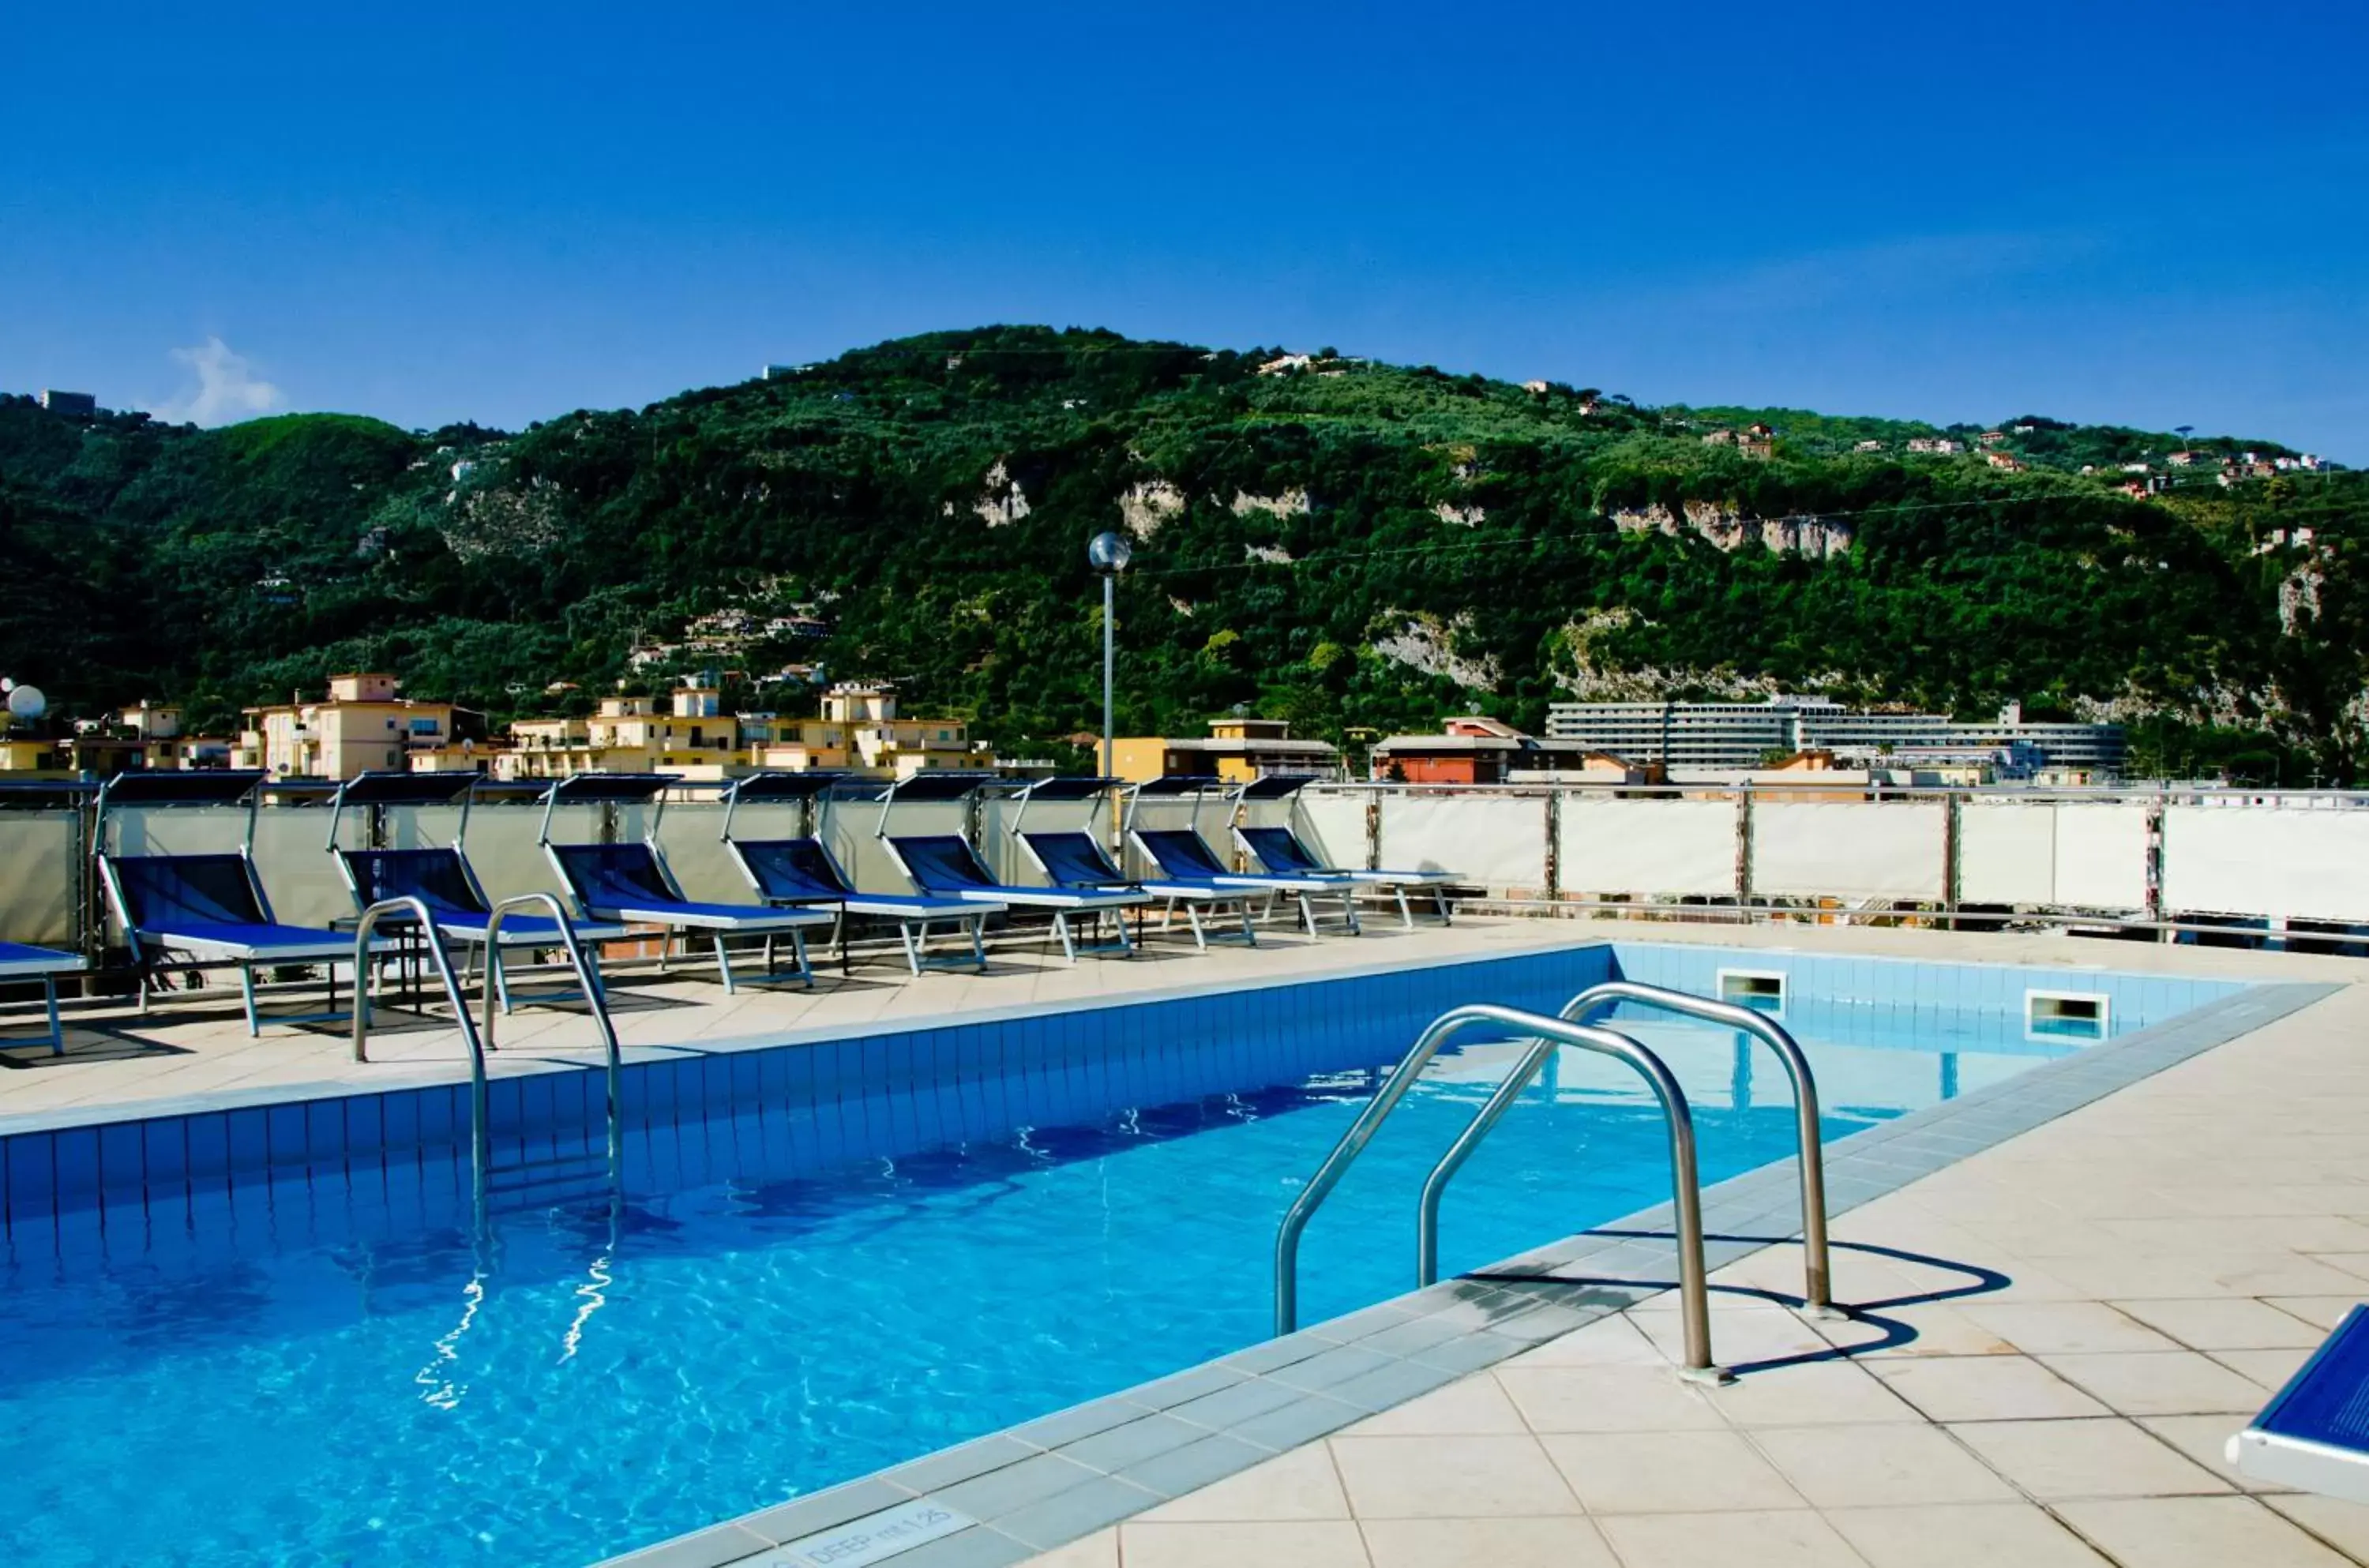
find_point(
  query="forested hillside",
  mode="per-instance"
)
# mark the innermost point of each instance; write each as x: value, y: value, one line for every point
x: 1335, y: 542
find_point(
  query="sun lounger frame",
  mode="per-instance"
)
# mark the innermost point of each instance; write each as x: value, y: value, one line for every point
x: 912, y: 914
x: 675, y: 912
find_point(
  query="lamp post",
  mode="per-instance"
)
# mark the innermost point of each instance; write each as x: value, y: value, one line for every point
x: 1109, y: 554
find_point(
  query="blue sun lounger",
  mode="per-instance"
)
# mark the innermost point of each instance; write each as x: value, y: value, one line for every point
x: 441, y: 876
x: 801, y: 873
x: 945, y: 865
x: 2314, y: 1432
x: 1072, y: 858
x: 631, y: 884
x: 1182, y: 853
x: 19, y: 961
x: 197, y: 910
x: 1276, y: 848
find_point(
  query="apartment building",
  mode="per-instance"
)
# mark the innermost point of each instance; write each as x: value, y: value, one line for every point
x: 1729, y: 736
x: 362, y: 724
x: 861, y: 731
x: 687, y: 732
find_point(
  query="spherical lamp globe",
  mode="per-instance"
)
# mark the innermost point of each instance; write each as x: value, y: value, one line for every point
x: 1109, y: 554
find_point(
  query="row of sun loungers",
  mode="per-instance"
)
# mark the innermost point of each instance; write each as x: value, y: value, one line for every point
x: 188, y: 910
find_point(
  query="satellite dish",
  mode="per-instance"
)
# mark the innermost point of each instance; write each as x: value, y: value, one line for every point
x: 27, y: 701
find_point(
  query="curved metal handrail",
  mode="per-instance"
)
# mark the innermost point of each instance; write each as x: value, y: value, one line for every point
x: 1818, y: 1287
x: 1597, y: 999
x: 480, y: 1139
x: 586, y: 977
x: 1693, y: 1294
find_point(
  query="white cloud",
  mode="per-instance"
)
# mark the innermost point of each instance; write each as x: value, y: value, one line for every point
x: 227, y: 388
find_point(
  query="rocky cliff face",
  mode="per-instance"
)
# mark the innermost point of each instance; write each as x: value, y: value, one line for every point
x: 1816, y: 537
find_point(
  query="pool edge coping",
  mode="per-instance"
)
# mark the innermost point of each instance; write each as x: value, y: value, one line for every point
x: 530, y: 1061
x: 1038, y: 1485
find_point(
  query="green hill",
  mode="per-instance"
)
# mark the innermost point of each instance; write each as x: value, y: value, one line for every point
x: 1339, y: 543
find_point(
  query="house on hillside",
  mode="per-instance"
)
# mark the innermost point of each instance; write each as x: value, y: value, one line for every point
x: 1236, y: 749
x: 2005, y: 462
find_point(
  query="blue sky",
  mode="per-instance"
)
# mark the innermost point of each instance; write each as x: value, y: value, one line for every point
x: 2154, y: 214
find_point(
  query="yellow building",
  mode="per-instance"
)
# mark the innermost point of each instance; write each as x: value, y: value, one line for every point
x: 861, y: 731
x: 360, y: 724
x: 23, y: 756
x: 1236, y: 750
x: 691, y: 734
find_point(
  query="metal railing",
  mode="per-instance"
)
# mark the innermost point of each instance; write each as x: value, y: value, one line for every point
x: 1818, y: 1284
x: 587, y: 979
x: 480, y: 1137
x: 1686, y: 1190
x: 481, y: 1040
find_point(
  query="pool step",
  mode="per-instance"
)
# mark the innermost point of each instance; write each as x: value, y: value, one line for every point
x: 550, y: 1182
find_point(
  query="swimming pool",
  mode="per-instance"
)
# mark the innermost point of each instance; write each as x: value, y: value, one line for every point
x: 288, y: 1348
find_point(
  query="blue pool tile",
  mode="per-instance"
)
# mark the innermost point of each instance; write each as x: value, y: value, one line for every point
x: 32, y: 1174
x: 324, y: 1132
x: 365, y: 1126
x: 505, y: 1110
x: 399, y: 1119
x: 122, y: 1161
x: 164, y: 1150
x: 209, y: 1144
x: 283, y: 1135
x: 78, y: 1164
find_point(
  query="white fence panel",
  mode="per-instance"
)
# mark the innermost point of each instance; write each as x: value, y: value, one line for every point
x: 501, y: 845
x: 2055, y: 853
x: 298, y: 875
x: 2266, y: 860
x: 1645, y: 847
x: 1497, y: 841
x: 1853, y: 850
x: 690, y: 836
x: 2102, y: 856
x: 1333, y: 827
x: 2006, y: 852
x: 39, y: 851
x: 853, y: 839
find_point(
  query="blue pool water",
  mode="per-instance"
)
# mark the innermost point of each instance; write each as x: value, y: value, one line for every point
x: 326, y: 1369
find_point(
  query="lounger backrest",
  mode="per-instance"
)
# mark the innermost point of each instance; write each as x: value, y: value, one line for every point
x: 941, y: 863
x: 1180, y: 853
x: 435, y: 876
x: 791, y: 868
x: 1073, y: 859
x: 606, y: 876
x: 163, y: 892
x: 1279, y: 849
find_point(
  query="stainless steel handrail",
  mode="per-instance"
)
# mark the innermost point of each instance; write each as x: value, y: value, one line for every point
x: 1693, y: 1292
x: 1818, y: 1285
x: 1598, y: 999
x: 586, y: 977
x: 480, y: 1137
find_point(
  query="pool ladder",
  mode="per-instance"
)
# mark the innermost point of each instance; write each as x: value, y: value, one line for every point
x: 1547, y: 1034
x: 480, y: 1038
